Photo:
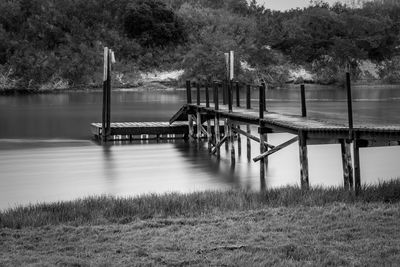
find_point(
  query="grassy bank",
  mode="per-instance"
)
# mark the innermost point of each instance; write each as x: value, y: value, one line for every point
x: 109, y: 210
x: 283, y: 227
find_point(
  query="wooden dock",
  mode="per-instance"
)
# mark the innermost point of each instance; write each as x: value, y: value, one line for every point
x: 142, y: 130
x: 196, y: 122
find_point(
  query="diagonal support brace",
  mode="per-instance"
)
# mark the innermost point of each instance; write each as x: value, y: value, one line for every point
x: 252, y: 137
x: 223, y: 140
x: 276, y: 149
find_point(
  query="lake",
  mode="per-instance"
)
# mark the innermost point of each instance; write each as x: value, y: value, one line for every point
x: 47, y: 152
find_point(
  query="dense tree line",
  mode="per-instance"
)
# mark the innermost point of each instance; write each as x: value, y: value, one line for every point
x: 43, y: 41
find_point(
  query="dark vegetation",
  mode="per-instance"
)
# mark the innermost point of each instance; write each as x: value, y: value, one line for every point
x: 58, y: 43
x: 108, y: 210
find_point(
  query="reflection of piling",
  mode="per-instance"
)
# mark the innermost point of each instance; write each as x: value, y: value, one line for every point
x: 303, y: 160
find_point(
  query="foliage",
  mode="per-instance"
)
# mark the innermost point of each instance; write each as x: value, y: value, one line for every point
x: 45, y: 41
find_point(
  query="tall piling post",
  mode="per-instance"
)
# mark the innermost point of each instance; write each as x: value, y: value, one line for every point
x: 237, y: 93
x: 198, y: 93
x: 189, y: 101
x: 248, y: 106
x: 216, y: 122
x: 104, y: 111
x: 262, y: 139
x: 264, y: 93
x: 303, y: 100
x: 207, y: 96
x: 304, y: 181
x: 230, y: 98
x: 108, y: 124
x: 356, y: 147
x: 188, y: 92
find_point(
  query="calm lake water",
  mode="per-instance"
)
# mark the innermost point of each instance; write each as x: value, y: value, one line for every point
x: 46, y: 151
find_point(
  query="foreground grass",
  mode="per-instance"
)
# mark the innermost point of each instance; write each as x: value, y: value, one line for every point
x: 107, y: 210
x: 284, y: 227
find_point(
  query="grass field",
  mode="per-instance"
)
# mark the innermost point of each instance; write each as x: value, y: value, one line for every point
x: 322, y: 227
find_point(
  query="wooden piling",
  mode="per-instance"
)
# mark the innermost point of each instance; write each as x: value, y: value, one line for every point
x: 198, y: 93
x: 104, y: 111
x: 230, y: 98
x: 207, y: 96
x: 347, y: 163
x: 264, y: 99
x: 304, y: 181
x: 209, y: 135
x: 262, y: 139
x: 237, y: 94
x: 224, y: 92
x: 349, y: 103
x: 216, y: 121
x: 198, y: 123
x: 303, y: 101
x: 191, y: 129
x: 188, y: 92
x: 357, y: 170
x: 248, y: 96
x: 226, y: 133
x: 108, y: 101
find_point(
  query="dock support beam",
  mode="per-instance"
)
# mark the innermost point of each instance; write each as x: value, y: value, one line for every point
x: 106, y: 116
x: 262, y: 138
x: 216, y: 121
x: 357, y: 171
x: 303, y: 160
x: 198, y: 123
x: 347, y: 163
x: 303, y: 101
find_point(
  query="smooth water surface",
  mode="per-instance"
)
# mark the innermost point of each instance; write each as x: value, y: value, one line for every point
x: 46, y: 151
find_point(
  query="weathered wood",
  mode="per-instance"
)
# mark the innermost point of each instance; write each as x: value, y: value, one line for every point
x: 191, y: 129
x: 264, y: 93
x: 303, y: 101
x: 262, y: 162
x: 207, y: 96
x: 216, y: 96
x: 198, y: 93
x: 104, y: 111
x: 276, y: 149
x: 224, y: 92
x: 230, y: 98
x: 217, y: 134
x: 252, y: 137
x: 188, y: 92
x: 198, y: 123
x: 108, y: 117
x: 237, y: 94
x: 357, y: 170
x: 349, y: 104
x: 248, y: 96
x: 226, y: 132
x: 347, y: 163
x: 304, y: 181
x: 209, y: 135
x: 219, y: 144
x: 261, y: 102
